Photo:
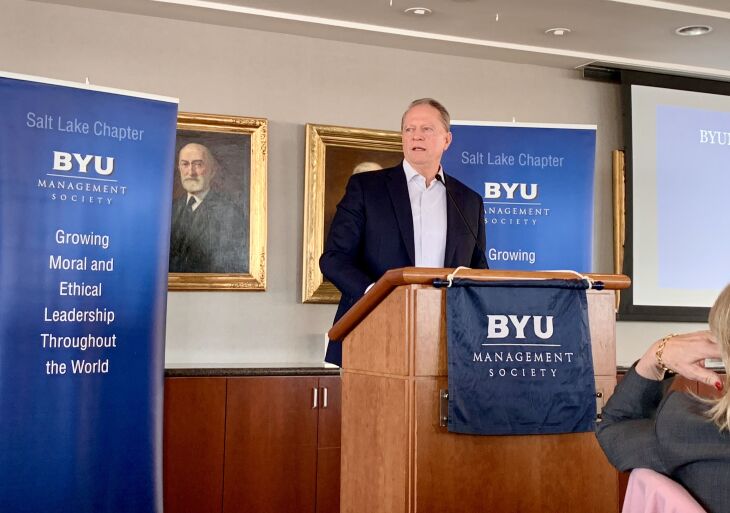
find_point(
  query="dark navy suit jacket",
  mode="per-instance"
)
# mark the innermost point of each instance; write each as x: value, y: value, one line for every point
x: 372, y: 232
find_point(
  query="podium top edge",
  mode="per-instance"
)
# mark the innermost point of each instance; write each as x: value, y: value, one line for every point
x: 425, y: 276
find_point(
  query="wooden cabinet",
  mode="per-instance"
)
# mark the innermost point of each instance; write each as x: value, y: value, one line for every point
x: 271, y: 445
x: 328, y: 445
x: 193, y: 437
x: 258, y: 444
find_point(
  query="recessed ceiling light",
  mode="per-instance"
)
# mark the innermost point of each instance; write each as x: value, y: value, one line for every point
x: 418, y: 11
x: 558, y: 31
x: 693, y: 30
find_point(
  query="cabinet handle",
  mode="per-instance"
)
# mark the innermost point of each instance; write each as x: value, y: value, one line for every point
x: 324, y: 397
x: 315, y: 397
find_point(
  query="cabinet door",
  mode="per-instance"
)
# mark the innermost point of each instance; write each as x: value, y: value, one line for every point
x: 328, y: 452
x: 271, y: 445
x: 193, y: 431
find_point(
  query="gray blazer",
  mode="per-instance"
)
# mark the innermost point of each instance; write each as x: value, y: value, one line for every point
x: 644, y: 428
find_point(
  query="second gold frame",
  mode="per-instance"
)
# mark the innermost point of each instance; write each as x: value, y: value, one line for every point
x: 333, y: 154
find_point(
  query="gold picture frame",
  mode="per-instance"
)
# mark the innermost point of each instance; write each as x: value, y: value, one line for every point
x: 333, y: 153
x: 239, y: 145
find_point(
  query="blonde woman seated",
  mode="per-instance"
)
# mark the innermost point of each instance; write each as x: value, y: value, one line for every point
x: 678, y: 435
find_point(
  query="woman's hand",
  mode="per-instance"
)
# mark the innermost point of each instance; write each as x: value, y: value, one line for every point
x: 684, y: 354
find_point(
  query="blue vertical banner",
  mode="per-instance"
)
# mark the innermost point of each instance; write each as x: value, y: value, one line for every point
x: 537, y: 185
x: 85, y: 194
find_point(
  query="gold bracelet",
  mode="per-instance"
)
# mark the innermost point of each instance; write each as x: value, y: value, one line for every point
x: 660, y: 351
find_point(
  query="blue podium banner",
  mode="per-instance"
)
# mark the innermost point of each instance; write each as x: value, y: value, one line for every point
x: 85, y: 195
x: 519, y: 358
x: 537, y: 185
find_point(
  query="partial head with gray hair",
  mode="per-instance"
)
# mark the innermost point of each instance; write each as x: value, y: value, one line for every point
x: 443, y: 113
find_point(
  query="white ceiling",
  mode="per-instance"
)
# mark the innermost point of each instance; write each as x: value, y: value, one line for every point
x: 624, y: 33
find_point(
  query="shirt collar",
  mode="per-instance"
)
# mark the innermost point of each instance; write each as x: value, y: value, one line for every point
x: 411, y: 172
x: 199, y: 196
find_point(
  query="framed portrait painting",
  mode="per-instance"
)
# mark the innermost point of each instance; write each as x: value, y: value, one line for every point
x: 333, y: 154
x: 218, y: 232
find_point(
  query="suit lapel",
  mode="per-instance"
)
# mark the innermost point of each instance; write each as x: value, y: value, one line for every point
x: 398, y: 190
x: 453, y: 222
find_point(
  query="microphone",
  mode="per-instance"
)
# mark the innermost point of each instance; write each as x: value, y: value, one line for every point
x: 466, y: 223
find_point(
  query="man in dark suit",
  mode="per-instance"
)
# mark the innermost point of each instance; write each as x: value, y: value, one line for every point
x: 403, y: 216
x: 207, y: 228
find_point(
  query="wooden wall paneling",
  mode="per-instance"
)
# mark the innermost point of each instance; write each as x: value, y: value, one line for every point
x: 193, y: 444
x: 271, y: 445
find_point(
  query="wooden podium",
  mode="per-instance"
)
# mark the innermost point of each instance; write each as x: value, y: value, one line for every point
x: 396, y: 457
